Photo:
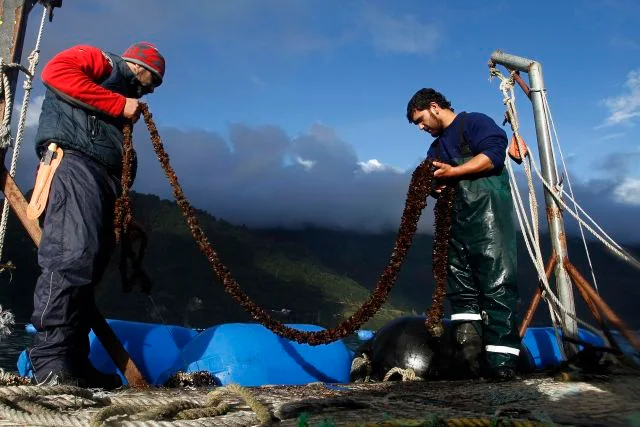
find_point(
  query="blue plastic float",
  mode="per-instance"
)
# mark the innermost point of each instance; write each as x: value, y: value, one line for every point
x: 244, y: 353
x: 250, y: 355
x: 152, y: 346
x: 543, y: 345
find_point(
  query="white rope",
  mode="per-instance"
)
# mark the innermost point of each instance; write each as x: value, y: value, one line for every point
x: 407, y: 374
x: 34, y: 59
x: 5, y: 132
x: 547, y: 109
x: 506, y: 87
x: 555, y: 306
x: 5, y: 90
x: 7, y: 322
x: 605, y: 239
x: 531, y: 234
x: 547, y: 119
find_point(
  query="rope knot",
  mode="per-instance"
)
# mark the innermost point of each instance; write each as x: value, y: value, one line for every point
x: 7, y: 322
x: 361, y: 368
x: 407, y: 374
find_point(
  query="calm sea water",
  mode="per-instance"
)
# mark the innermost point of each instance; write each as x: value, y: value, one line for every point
x: 11, y: 346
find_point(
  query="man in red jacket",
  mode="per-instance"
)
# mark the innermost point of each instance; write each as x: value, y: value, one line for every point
x: 90, y: 96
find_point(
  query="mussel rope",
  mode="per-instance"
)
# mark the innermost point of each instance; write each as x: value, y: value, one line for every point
x: 420, y: 187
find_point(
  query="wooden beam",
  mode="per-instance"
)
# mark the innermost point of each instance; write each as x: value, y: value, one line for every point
x: 19, y: 204
x: 551, y: 263
x: 602, y: 306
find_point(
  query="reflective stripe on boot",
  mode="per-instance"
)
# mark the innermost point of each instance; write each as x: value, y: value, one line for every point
x: 502, y: 349
x: 465, y: 316
x: 501, y: 362
x: 501, y: 358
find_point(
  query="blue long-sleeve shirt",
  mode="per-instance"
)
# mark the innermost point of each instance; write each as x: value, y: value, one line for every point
x: 482, y: 134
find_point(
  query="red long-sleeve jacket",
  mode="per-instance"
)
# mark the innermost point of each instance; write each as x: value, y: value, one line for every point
x: 76, y: 72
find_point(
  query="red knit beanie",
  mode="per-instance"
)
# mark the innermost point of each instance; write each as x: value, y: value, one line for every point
x: 146, y: 54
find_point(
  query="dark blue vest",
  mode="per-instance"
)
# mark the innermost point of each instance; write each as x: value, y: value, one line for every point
x: 80, y: 127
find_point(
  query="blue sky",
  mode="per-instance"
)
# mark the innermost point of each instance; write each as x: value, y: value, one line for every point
x: 286, y: 112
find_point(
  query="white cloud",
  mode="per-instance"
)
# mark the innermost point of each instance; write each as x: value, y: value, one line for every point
x: 625, y: 107
x: 612, y: 136
x: 307, y: 164
x: 247, y: 179
x: 259, y: 177
x: 374, y: 165
x: 628, y: 191
x: 371, y: 165
x: 624, y: 43
x: 405, y: 35
x: 33, y: 111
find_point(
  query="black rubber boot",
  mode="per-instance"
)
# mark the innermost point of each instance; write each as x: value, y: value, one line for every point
x: 467, y: 349
x: 502, y: 373
x: 501, y: 366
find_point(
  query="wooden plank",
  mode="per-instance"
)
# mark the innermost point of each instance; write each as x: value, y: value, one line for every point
x: 19, y: 204
x: 551, y: 263
x: 117, y: 352
x: 604, y: 308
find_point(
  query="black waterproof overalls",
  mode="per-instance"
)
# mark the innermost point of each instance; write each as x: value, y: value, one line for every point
x: 481, y: 286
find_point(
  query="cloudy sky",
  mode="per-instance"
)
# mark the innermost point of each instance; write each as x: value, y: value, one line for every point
x: 288, y: 112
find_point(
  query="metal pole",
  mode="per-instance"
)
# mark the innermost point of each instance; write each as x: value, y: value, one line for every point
x: 13, y: 23
x: 554, y: 214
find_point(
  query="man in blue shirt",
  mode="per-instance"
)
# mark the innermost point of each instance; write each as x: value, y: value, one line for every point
x: 469, y: 152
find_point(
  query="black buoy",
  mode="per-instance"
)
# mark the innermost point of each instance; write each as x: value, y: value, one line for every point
x: 406, y: 343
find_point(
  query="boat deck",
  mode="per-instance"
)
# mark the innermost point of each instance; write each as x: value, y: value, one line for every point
x: 535, y: 400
